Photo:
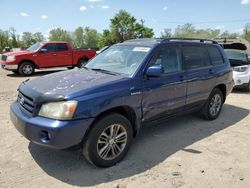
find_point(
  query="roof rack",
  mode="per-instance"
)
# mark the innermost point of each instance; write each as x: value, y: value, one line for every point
x: 189, y: 39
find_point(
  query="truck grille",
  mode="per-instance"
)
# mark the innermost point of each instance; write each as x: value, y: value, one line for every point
x: 25, y: 102
x: 4, y: 57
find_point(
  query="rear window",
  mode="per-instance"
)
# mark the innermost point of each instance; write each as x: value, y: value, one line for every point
x: 61, y: 47
x: 215, y: 55
x: 236, y: 55
x: 195, y: 57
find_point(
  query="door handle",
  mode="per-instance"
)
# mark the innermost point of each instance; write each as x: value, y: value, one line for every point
x: 181, y: 78
x: 211, y: 71
x: 54, y: 54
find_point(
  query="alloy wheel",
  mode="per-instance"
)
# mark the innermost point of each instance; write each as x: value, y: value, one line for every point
x: 112, y: 142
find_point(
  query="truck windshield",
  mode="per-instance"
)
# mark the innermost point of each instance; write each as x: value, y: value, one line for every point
x: 120, y: 59
x: 34, y: 47
x: 231, y: 54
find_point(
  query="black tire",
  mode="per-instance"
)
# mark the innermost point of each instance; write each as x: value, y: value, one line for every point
x: 247, y: 87
x: 26, y: 69
x: 82, y: 62
x: 207, y: 111
x: 91, y: 146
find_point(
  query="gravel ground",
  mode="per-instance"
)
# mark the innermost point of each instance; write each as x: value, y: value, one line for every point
x: 182, y: 152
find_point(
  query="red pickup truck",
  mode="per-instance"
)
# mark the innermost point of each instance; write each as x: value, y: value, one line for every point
x: 45, y: 55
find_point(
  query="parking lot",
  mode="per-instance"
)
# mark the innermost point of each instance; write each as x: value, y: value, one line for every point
x: 182, y: 152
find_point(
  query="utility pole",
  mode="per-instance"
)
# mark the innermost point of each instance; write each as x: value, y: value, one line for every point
x: 142, y: 30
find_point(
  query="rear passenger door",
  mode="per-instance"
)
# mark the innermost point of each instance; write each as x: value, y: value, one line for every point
x: 166, y: 94
x: 63, y: 54
x: 199, y: 74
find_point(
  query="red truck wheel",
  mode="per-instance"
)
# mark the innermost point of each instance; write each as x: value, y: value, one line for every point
x: 26, y: 69
x: 82, y: 62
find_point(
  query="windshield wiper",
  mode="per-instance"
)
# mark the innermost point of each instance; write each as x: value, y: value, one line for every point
x: 105, y: 71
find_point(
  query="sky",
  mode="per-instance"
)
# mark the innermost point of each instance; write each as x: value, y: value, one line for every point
x: 44, y: 15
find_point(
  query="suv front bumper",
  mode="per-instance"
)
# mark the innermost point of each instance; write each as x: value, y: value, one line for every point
x: 49, y: 132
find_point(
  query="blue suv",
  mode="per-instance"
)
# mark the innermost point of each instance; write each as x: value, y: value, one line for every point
x: 103, y: 105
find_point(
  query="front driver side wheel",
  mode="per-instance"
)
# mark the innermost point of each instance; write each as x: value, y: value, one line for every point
x: 108, y: 141
x: 26, y: 69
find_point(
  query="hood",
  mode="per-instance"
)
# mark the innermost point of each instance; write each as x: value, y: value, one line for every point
x: 18, y: 53
x: 69, y: 82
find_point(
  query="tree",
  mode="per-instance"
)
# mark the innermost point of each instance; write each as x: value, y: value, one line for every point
x: 123, y: 27
x: 185, y: 31
x: 38, y: 37
x: 86, y: 38
x: 78, y: 41
x: 246, y: 32
x: 12, y: 33
x: 167, y: 33
x: 27, y: 38
x: 59, y: 34
x: 4, y: 40
x: 91, y: 38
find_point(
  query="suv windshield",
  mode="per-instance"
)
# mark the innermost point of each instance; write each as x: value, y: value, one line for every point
x: 232, y: 54
x: 34, y: 47
x: 121, y: 59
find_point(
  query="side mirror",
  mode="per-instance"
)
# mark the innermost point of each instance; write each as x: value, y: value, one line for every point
x: 43, y: 50
x: 155, y: 71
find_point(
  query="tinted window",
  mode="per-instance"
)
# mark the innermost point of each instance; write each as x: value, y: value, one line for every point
x: 49, y: 47
x: 195, y: 57
x: 61, y: 47
x: 167, y: 57
x: 215, y: 55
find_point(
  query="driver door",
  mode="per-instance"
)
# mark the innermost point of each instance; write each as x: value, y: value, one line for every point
x: 47, y: 56
x: 165, y: 95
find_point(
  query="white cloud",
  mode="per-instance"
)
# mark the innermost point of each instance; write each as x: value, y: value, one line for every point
x: 44, y: 17
x: 94, y: 0
x: 241, y: 30
x: 83, y: 8
x: 245, y: 2
x: 24, y: 14
x: 105, y: 6
x: 165, y: 8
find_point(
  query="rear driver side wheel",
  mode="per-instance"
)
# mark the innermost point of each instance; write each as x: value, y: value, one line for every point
x: 213, y: 106
x: 82, y: 62
x: 26, y: 69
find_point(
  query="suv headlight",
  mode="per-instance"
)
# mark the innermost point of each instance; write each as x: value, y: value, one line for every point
x: 10, y: 58
x: 240, y: 68
x: 63, y: 110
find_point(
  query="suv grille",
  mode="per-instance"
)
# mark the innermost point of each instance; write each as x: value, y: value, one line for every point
x: 25, y: 102
x: 4, y: 57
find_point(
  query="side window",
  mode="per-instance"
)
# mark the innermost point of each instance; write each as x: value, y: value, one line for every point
x: 195, y: 57
x: 49, y: 47
x: 167, y: 57
x: 61, y: 47
x: 215, y: 55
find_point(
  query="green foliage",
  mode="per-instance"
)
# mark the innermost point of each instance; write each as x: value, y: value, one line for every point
x: 246, y: 32
x: 86, y: 38
x: 166, y: 33
x: 123, y: 27
x: 59, y: 34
